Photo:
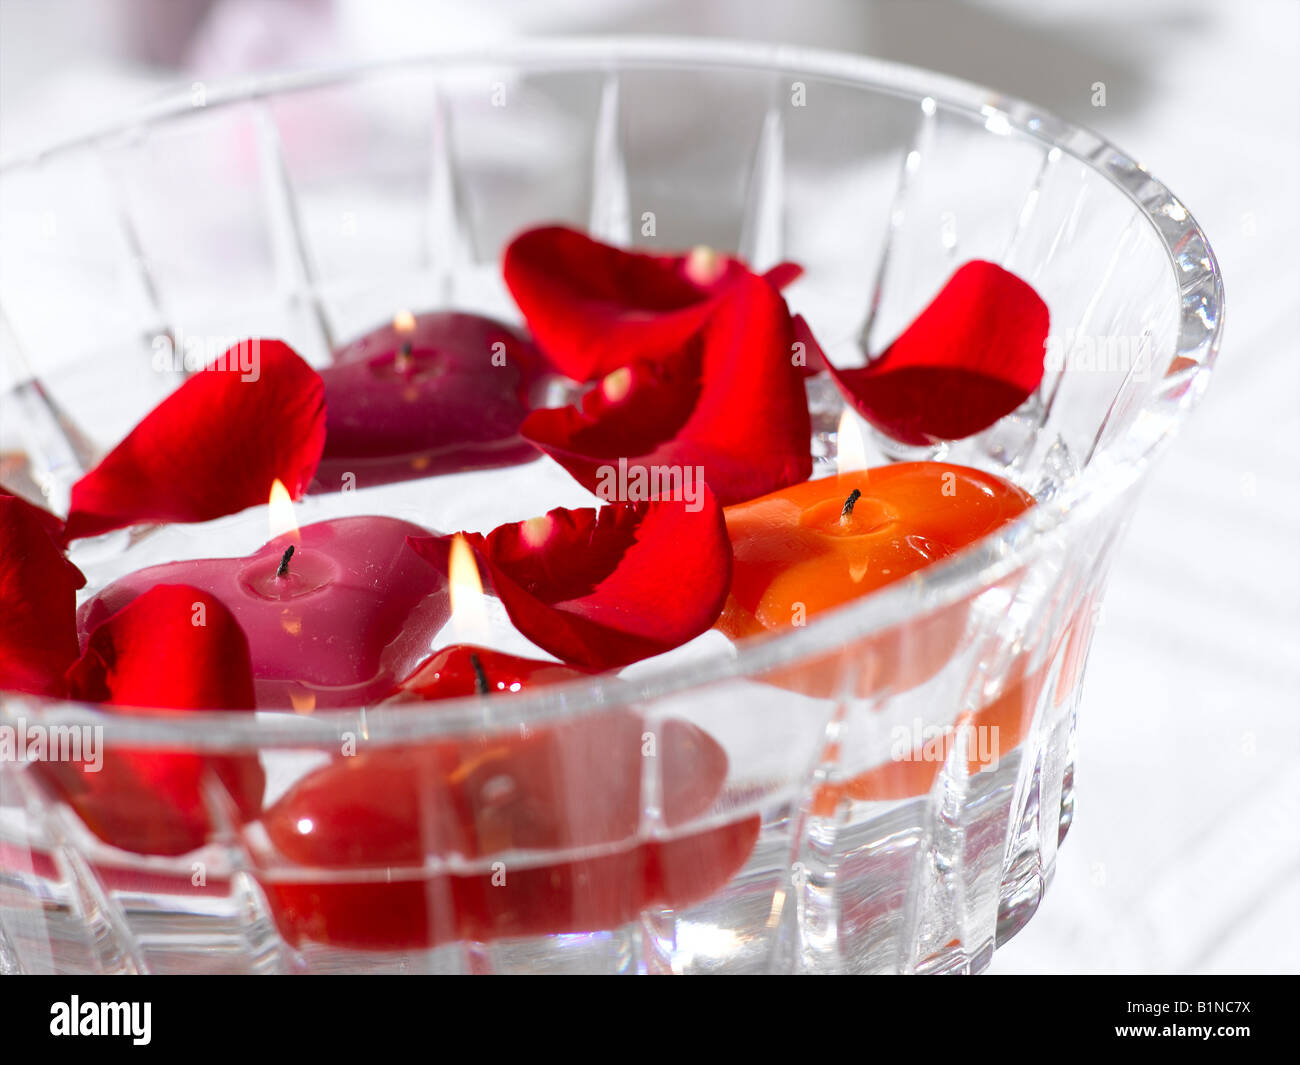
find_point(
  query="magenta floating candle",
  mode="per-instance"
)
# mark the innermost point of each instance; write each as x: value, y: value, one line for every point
x: 335, y: 614
x: 426, y: 394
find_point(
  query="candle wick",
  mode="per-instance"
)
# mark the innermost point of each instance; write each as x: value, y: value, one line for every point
x: 847, y: 512
x: 481, y: 685
x: 405, y: 358
x: 283, y: 570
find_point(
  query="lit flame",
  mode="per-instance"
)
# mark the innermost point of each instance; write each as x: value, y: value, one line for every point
x: 281, y: 517
x: 704, y: 265
x: 851, y: 447
x: 404, y: 323
x: 303, y: 703
x: 469, y: 619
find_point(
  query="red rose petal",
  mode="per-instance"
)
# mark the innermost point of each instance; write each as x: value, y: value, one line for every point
x: 783, y: 274
x: 971, y: 357
x: 604, y: 588
x: 161, y: 651
x: 211, y: 448
x: 729, y: 402
x: 814, y: 359
x: 173, y: 647
x: 52, y: 523
x: 38, y: 600
x: 593, y: 308
x: 152, y: 801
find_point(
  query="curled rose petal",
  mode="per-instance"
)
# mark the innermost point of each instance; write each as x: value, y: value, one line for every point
x: 593, y: 308
x: 213, y: 447
x: 38, y: 600
x: 728, y: 405
x: 603, y: 588
x: 173, y: 648
x: 52, y: 523
x: 810, y: 358
x: 783, y: 274
x: 152, y: 801
x: 971, y: 357
x: 446, y: 393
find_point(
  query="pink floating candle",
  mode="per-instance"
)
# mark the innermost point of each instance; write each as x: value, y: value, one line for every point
x: 426, y: 394
x: 335, y: 614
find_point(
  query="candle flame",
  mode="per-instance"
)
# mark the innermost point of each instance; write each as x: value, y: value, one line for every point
x: 704, y: 265
x: 281, y: 517
x: 302, y: 702
x: 404, y: 323
x: 851, y: 453
x: 469, y: 619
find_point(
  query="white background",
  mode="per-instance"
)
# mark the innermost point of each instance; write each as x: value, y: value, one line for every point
x: 1185, y: 853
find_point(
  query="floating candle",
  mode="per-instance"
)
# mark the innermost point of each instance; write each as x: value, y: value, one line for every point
x: 820, y: 544
x: 335, y: 615
x: 551, y: 820
x: 539, y: 799
x: 430, y: 393
x: 467, y: 669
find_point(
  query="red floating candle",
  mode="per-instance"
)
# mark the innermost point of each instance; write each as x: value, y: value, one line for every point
x: 571, y: 793
x: 558, y: 791
x: 467, y: 669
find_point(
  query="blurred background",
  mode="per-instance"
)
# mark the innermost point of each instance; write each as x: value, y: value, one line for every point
x: 1185, y: 857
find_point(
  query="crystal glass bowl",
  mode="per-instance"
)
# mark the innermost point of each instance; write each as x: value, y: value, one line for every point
x: 898, y: 774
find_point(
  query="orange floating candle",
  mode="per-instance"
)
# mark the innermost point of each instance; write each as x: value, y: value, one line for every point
x: 820, y: 544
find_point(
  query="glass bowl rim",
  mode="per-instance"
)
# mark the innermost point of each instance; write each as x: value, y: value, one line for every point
x: 1109, y: 473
